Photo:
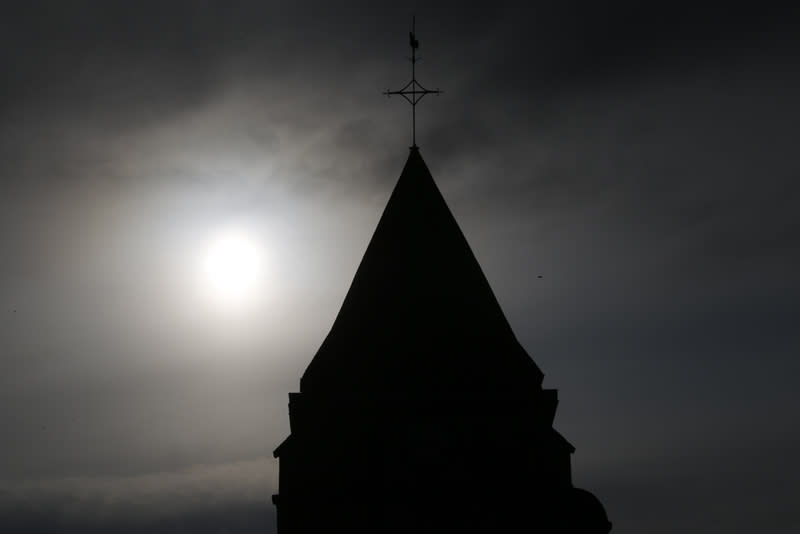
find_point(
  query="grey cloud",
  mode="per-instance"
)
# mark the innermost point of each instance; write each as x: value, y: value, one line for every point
x: 203, y: 498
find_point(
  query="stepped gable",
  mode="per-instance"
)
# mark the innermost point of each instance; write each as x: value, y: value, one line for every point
x: 420, y: 311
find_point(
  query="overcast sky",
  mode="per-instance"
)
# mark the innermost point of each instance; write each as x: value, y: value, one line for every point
x: 640, y: 157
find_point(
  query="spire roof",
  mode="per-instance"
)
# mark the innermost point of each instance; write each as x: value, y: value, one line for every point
x: 419, y: 309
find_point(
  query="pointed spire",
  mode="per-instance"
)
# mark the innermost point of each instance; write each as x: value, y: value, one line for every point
x: 419, y: 306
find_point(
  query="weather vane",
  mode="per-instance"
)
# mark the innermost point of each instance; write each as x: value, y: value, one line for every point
x: 413, y: 91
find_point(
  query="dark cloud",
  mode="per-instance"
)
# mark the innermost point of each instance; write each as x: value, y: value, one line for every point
x: 202, y: 498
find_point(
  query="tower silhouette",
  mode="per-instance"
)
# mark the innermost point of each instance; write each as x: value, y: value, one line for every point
x: 421, y: 412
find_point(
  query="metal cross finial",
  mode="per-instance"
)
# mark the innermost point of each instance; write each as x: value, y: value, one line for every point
x: 413, y: 91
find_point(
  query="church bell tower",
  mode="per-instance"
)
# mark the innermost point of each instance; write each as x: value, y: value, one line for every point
x: 421, y: 412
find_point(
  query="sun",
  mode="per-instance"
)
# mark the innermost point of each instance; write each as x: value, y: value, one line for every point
x: 232, y: 266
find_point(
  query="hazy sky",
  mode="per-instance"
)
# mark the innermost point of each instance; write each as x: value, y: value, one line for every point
x: 640, y: 157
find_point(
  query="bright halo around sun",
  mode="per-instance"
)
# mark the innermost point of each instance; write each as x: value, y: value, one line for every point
x: 233, y: 266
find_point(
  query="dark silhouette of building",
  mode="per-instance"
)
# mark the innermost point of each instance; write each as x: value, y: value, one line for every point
x: 421, y: 412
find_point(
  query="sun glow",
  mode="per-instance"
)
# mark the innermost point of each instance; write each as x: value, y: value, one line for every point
x: 233, y: 266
